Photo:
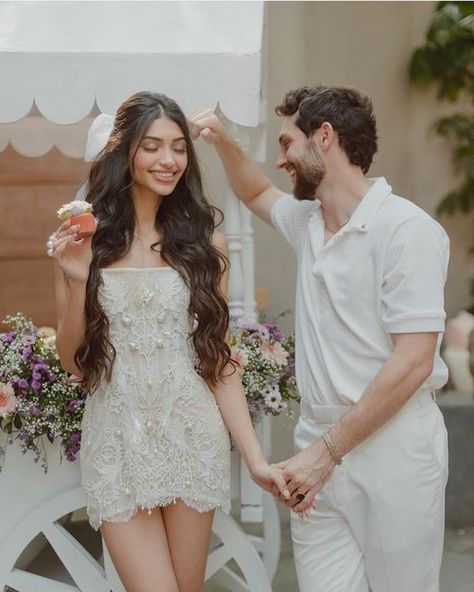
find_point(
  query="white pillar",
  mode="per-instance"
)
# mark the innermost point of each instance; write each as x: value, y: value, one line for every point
x: 233, y: 232
x: 248, y: 266
x: 242, y: 306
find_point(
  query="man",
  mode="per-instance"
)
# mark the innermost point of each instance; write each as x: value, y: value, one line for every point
x: 371, y: 442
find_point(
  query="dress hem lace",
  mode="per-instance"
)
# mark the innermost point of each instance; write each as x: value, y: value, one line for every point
x: 125, y: 515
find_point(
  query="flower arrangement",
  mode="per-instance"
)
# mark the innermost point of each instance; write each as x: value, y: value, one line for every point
x: 37, y: 397
x: 266, y: 359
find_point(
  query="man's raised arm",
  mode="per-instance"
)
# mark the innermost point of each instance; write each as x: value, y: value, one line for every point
x: 248, y: 182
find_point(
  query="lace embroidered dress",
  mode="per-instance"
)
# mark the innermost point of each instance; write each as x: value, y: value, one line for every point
x: 154, y: 433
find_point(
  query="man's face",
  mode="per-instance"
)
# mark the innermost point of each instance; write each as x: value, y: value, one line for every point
x: 300, y: 157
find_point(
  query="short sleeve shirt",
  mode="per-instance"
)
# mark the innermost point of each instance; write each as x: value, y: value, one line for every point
x: 384, y: 272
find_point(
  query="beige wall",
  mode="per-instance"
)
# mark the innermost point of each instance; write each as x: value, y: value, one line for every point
x: 31, y: 190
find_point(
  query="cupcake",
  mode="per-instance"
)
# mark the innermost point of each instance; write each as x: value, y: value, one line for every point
x: 79, y: 212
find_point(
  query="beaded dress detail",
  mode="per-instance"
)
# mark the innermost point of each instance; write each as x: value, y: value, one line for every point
x: 154, y: 433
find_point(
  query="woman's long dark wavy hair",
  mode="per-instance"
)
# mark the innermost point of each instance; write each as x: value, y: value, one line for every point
x: 186, y: 223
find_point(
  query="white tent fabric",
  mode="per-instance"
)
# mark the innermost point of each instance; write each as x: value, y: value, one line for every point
x: 66, y: 60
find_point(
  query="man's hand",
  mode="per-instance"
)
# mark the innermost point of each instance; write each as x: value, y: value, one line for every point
x: 270, y: 478
x: 305, y: 474
x: 205, y: 124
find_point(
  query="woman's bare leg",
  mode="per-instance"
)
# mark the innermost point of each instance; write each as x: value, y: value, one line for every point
x: 188, y: 533
x: 140, y: 553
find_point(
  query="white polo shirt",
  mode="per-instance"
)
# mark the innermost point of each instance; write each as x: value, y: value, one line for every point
x: 383, y: 272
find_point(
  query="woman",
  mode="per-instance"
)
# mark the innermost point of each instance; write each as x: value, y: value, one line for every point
x: 143, y: 319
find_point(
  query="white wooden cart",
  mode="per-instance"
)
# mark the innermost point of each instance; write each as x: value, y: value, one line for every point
x: 60, y: 64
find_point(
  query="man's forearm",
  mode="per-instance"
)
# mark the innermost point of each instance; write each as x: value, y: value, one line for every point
x: 246, y: 178
x: 392, y: 387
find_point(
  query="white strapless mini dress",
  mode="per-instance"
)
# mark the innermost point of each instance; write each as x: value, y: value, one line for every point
x: 154, y: 433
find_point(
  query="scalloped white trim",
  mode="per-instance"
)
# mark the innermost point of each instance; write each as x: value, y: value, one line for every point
x: 215, y: 58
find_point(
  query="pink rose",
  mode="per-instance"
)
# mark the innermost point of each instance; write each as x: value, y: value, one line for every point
x: 274, y: 352
x: 8, y: 401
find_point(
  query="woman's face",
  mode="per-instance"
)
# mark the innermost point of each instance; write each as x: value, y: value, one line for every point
x: 161, y: 158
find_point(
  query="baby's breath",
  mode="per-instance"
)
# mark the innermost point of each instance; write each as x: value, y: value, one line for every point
x: 48, y: 404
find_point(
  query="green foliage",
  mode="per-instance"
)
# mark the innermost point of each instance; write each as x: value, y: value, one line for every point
x: 447, y: 59
x: 459, y: 128
x: 448, y: 54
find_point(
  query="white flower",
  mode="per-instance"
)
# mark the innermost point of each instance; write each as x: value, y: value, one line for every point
x: 272, y: 396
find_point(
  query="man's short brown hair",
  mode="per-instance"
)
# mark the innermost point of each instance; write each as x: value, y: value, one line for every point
x: 348, y: 111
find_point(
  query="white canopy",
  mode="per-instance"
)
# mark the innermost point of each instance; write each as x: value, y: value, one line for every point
x: 68, y: 60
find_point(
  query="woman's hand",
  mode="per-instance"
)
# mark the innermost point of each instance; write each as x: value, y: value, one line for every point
x: 72, y: 256
x: 270, y: 477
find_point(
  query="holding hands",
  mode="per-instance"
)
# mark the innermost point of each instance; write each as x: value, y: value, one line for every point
x: 305, y: 474
x: 296, y: 481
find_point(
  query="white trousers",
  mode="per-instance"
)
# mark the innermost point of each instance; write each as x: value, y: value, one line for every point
x: 379, y: 521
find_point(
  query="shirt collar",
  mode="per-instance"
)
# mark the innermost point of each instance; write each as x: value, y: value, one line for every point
x: 378, y: 191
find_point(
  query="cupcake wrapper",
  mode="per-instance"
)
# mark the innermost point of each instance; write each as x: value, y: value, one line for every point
x: 87, y: 223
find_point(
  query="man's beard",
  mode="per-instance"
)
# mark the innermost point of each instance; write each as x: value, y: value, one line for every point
x: 309, y: 172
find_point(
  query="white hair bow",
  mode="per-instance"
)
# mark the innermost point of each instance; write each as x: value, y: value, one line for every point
x: 98, y: 135
x: 97, y: 138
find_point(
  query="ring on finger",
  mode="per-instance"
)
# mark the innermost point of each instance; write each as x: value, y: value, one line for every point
x: 300, y: 497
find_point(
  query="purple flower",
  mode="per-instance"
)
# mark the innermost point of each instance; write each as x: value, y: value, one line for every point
x: 28, y: 340
x: 36, y: 375
x: 26, y: 353
x: 75, y: 437
x: 40, y: 366
x: 35, y: 385
x: 72, y: 405
x: 23, y: 383
x: 36, y: 410
x: 9, y: 337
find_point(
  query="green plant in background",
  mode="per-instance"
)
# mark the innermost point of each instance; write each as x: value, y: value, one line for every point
x: 447, y: 58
